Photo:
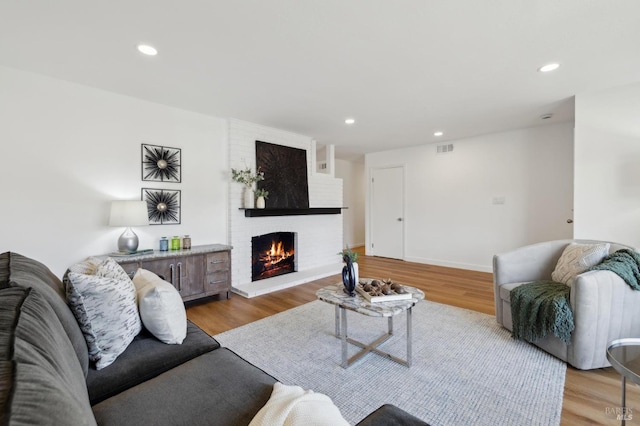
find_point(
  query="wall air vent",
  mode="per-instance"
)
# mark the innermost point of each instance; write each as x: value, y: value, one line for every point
x: 444, y: 148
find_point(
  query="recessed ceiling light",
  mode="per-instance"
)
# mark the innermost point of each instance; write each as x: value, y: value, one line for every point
x: 549, y: 67
x: 438, y: 134
x: 350, y: 121
x: 147, y: 50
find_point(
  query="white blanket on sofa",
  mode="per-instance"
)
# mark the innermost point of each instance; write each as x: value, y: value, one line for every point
x: 292, y: 406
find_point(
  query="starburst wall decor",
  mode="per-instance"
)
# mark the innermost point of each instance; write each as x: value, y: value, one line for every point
x: 163, y: 206
x: 161, y: 164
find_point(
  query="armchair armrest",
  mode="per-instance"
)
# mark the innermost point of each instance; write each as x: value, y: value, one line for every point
x: 605, y: 308
x: 529, y: 263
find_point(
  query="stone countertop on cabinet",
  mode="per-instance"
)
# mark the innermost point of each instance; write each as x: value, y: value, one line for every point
x: 157, y: 254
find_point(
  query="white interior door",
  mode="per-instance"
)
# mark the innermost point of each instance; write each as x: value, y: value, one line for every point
x: 387, y: 212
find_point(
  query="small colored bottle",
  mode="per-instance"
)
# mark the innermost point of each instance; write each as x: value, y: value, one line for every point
x: 186, y: 242
x: 175, y: 243
x: 164, y: 244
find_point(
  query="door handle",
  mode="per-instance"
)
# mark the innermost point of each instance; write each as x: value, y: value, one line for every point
x: 569, y: 220
x: 179, y: 276
x: 399, y: 219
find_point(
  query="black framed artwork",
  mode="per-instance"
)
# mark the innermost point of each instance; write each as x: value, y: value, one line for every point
x: 285, y: 175
x: 163, y: 206
x: 161, y: 163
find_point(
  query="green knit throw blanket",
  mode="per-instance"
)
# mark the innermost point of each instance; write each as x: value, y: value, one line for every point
x: 541, y: 307
x: 625, y: 263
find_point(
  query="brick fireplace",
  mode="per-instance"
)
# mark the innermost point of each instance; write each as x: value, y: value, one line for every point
x: 317, y: 237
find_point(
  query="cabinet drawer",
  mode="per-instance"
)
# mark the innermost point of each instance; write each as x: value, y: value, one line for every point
x: 217, y: 282
x: 217, y: 262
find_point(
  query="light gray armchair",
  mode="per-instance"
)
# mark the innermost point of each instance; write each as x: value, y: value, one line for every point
x: 604, y: 306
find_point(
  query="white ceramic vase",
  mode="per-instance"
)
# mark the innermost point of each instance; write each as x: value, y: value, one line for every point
x: 248, y: 198
x: 260, y: 203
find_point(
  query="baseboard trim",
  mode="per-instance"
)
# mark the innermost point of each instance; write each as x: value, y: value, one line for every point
x: 448, y: 264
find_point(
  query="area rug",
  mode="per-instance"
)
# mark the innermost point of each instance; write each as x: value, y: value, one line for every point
x: 467, y: 370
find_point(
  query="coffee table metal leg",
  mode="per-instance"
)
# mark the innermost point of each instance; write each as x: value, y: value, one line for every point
x: 409, y: 337
x: 341, y: 318
x: 345, y: 346
x: 337, y: 321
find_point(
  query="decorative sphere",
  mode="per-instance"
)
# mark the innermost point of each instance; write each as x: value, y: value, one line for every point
x: 161, y: 207
x: 162, y: 164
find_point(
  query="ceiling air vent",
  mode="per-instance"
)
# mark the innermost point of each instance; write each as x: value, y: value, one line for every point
x: 445, y: 148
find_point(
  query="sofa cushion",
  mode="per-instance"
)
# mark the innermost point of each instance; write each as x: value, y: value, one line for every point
x: 505, y: 291
x: 161, y: 307
x: 576, y: 259
x: 18, y: 270
x: 106, y: 309
x: 145, y: 358
x: 391, y: 415
x: 217, y: 388
x: 46, y: 384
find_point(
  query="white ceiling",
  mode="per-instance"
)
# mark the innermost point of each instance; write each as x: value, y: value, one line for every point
x: 402, y: 68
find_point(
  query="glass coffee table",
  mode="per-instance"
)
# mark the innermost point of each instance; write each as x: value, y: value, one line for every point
x: 624, y: 356
x: 335, y: 295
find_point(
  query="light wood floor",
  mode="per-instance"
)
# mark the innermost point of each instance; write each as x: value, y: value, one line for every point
x: 587, y: 394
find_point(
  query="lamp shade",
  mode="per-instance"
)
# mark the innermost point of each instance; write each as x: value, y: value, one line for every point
x: 128, y: 213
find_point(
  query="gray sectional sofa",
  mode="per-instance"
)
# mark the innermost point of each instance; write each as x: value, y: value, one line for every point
x: 46, y: 377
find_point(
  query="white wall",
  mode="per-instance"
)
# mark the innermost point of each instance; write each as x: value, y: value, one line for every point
x: 68, y: 150
x: 353, y: 197
x: 607, y: 171
x: 450, y: 218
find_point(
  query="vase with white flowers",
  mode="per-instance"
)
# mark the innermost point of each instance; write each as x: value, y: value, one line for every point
x: 247, y: 178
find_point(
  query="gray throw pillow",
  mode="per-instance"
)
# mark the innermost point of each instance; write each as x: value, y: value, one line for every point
x: 106, y: 308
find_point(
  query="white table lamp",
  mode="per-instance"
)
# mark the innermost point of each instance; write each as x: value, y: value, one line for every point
x: 128, y: 214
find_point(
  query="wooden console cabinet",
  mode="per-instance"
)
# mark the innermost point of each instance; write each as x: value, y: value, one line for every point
x: 199, y: 272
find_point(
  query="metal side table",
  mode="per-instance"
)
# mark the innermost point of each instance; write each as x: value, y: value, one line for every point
x: 624, y: 356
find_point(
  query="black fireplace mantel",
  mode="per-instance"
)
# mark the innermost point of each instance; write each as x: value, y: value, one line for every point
x: 291, y: 212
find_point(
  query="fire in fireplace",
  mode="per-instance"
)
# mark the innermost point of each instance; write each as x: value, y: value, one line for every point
x: 272, y: 255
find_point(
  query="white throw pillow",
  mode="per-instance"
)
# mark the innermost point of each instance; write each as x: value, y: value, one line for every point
x: 161, y: 307
x: 105, y: 307
x: 577, y: 258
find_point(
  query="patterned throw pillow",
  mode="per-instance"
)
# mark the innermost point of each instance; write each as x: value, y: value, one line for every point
x: 161, y: 307
x: 577, y: 258
x: 105, y: 306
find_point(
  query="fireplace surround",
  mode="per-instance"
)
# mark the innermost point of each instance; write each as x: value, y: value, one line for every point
x: 318, y: 234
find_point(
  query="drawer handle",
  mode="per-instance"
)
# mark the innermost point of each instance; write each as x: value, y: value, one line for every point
x: 216, y: 282
x: 217, y: 261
